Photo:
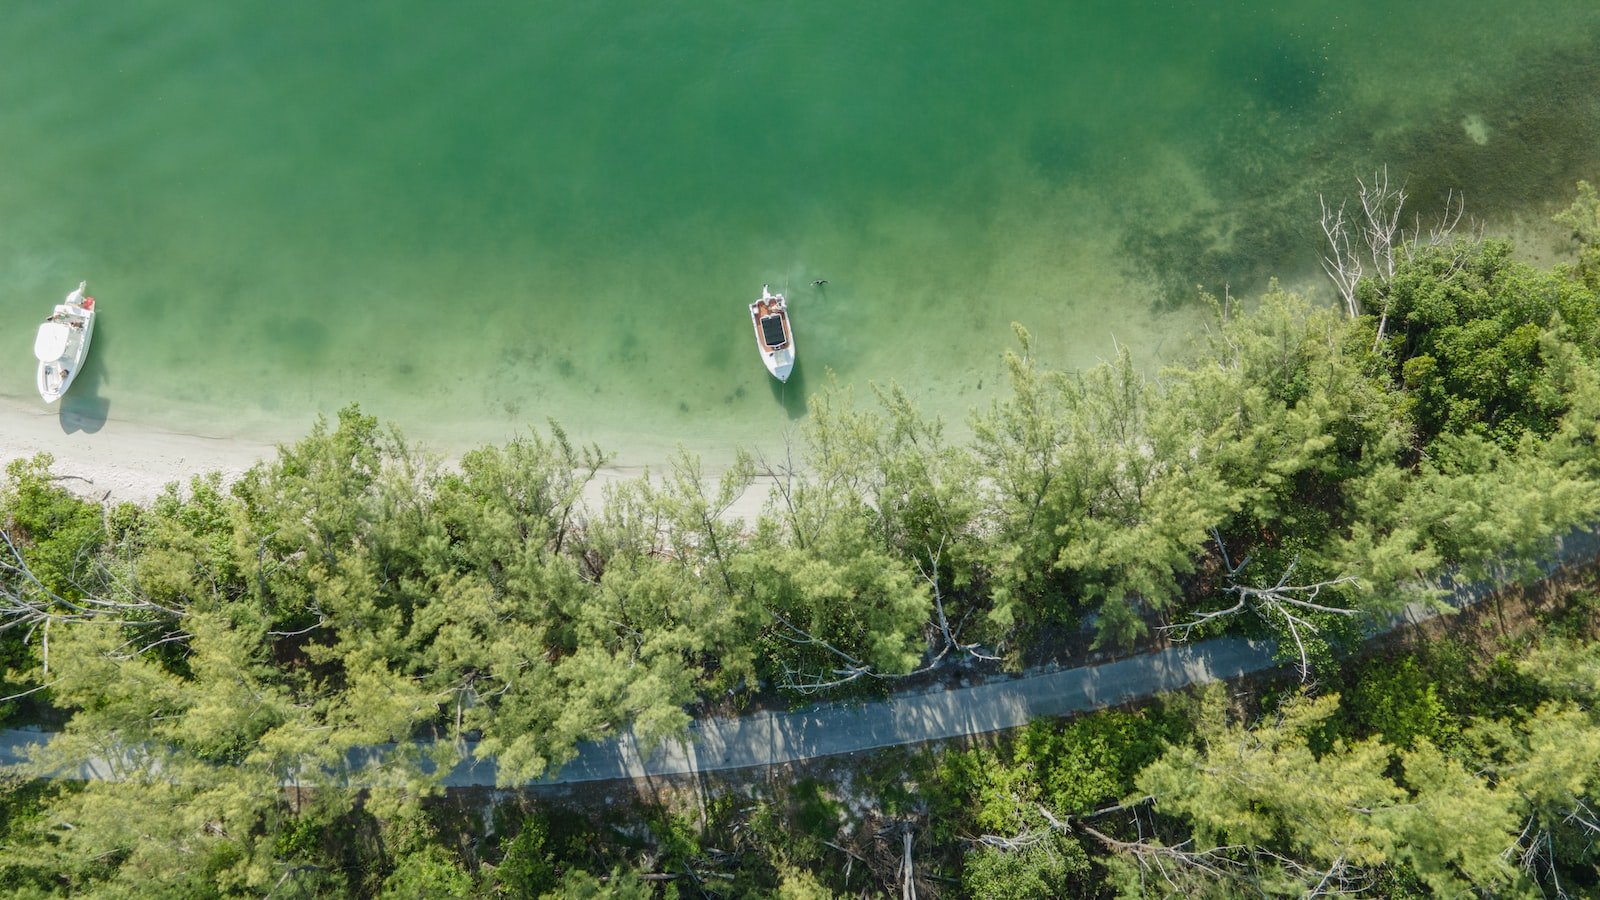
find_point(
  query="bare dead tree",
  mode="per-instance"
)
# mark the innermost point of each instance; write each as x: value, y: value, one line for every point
x: 1443, y: 231
x: 33, y: 690
x: 1024, y: 840
x: 1534, y: 849
x: 26, y: 603
x: 1343, y: 264
x: 848, y: 668
x: 1584, y: 817
x: 1173, y: 864
x: 908, y: 875
x: 1033, y: 835
x: 1332, y: 882
x: 1372, y: 242
x: 1370, y: 245
x: 1380, y: 221
x: 851, y: 858
x: 950, y: 637
x: 313, y: 606
x: 1283, y: 602
x: 1439, y: 234
x: 1160, y: 860
x: 1178, y: 865
x: 1528, y: 849
x: 905, y: 872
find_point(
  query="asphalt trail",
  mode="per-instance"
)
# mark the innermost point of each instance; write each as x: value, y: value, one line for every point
x: 769, y: 739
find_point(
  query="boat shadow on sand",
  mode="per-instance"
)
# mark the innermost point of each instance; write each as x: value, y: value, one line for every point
x: 83, y: 408
x: 791, y: 395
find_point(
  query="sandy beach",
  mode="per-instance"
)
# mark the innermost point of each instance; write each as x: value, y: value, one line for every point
x: 115, y: 461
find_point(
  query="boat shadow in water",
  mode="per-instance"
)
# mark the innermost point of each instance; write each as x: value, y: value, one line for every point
x: 83, y: 408
x: 791, y: 395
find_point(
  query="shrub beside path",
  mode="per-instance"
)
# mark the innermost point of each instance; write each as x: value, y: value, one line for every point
x: 769, y: 739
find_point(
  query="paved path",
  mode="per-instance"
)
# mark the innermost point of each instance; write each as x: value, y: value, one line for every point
x: 768, y: 739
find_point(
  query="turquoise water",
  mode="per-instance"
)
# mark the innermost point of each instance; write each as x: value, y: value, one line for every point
x: 471, y: 217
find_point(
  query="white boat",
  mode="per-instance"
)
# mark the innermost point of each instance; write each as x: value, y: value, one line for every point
x: 774, y: 337
x: 63, y: 343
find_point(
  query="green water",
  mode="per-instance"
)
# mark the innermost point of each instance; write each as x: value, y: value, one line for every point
x: 475, y: 216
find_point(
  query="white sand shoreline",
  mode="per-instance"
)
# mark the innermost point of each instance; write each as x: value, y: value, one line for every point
x: 120, y: 461
x: 117, y: 460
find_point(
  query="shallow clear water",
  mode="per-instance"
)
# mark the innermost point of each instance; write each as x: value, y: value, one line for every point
x: 472, y: 217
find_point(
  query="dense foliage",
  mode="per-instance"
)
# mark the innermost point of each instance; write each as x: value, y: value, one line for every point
x: 1303, y: 473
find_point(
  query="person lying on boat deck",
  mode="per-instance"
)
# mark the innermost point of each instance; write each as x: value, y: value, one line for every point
x: 56, y: 317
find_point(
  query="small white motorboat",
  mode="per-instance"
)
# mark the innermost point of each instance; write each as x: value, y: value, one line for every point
x: 774, y: 337
x: 63, y: 343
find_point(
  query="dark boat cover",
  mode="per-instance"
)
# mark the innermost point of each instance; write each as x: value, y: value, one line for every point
x: 772, y: 330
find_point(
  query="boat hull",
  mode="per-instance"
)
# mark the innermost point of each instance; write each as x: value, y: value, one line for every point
x: 774, y: 334
x: 779, y: 364
x: 62, y: 345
